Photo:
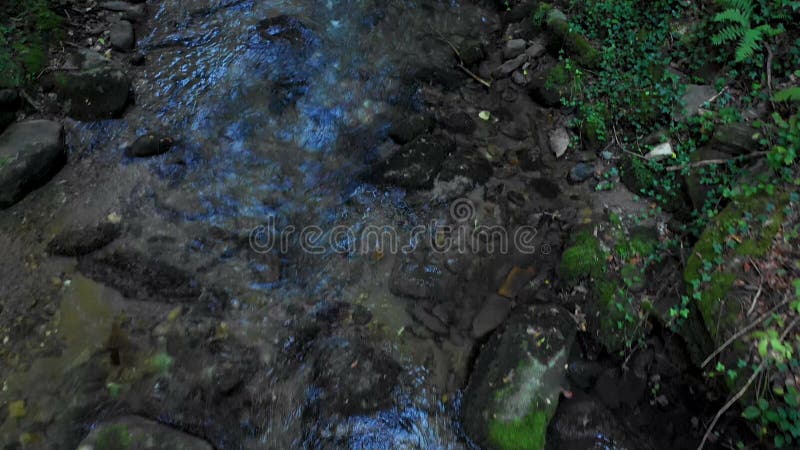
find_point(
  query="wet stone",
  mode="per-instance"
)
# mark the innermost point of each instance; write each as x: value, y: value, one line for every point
x: 459, y: 122
x: 99, y: 90
x: 471, y: 52
x: 31, y: 153
x: 129, y: 11
x: 82, y: 241
x: 491, y: 315
x: 353, y: 378
x: 415, y: 165
x: 430, y: 321
x: 514, y: 48
x: 406, y: 130
x: 581, y: 172
x: 122, y: 36
x: 150, y: 145
x: 510, y: 66
x: 141, y: 277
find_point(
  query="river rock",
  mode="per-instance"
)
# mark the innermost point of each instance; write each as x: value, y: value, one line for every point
x: 514, y: 390
x: 31, y: 153
x: 98, y: 90
x: 693, y: 98
x: 510, y: 66
x: 122, y: 36
x: 406, y: 130
x: 734, y: 138
x: 141, y: 277
x: 536, y: 49
x: 494, y: 311
x: 430, y: 321
x: 136, y: 433
x: 559, y: 141
x: 129, y: 11
x: 548, y: 86
x: 581, y: 172
x: 353, y: 377
x: 416, y: 164
x: 584, y: 423
x: 471, y: 52
x: 459, y: 122
x: 514, y: 48
x: 82, y: 241
x: 150, y: 145
x: 467, y: 163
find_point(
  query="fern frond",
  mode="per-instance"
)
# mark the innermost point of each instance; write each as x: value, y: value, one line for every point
x: 749, y: 43
x: 729, y: 33
x: 791, y: 94
x: 733, y: 15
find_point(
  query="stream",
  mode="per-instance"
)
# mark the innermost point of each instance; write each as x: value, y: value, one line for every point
x: 230, y: 319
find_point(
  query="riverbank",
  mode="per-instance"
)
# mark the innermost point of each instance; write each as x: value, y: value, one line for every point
x: 139, y: 271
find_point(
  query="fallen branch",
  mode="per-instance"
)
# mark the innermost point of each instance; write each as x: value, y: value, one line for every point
x: 741, y: 392
x: 461, y: 65
x: 713, y: 162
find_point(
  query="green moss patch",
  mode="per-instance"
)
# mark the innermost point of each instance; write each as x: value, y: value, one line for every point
x: 745, y: 228
x: 526, y: 433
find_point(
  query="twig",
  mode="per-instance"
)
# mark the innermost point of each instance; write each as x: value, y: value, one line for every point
x: 755, y: 298
x: 30, y: 100
x: 744, y: 388
x: 461, y: 65
x: 743, y: 331
x: 712, y: 162
x: 769, y: 69
x: 716, y: 96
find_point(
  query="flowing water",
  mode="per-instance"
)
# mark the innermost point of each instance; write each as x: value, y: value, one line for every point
x: 277, y: 108
x: 279, y: 111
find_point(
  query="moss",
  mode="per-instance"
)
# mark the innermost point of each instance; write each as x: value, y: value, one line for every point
x: 558, y: 77
x: 113, y: 437
x: 526, y: 433
x: 584, y: 258
x: 576, y: 43
x: 24, y: 41
x: 720, y: 278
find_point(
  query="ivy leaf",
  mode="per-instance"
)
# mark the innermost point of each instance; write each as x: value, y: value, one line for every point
x: 751, y: 412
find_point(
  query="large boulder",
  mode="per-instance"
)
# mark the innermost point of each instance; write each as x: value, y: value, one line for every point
x: 136, y: 433
x: 97, y: 90
x: 31, y: 153
x: 515, y: 387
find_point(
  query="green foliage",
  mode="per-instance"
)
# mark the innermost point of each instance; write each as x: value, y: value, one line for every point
x: 741, y: 24
x: 791, y: 94
x: 24, y: 40
x: 632, y: 81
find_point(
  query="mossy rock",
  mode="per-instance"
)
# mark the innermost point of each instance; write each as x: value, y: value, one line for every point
x: 563, y: 37
x: 513, y: 393
x: 550, y: 85
x: 136, y: 433
x: 583, y: 258
x: 713, y: 266
x: 615, y: 313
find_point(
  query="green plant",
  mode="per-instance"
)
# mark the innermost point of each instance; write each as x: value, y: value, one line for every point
x: 738, y: 18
